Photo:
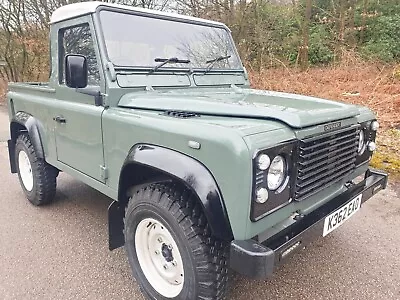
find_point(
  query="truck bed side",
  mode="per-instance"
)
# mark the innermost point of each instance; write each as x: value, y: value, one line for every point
x: 36, y: 99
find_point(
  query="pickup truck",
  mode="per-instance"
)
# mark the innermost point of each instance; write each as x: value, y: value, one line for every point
x: 206, y: 174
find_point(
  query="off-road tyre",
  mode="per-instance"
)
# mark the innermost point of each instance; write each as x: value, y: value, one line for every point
x: 204, y: 257
x: 43, y: 189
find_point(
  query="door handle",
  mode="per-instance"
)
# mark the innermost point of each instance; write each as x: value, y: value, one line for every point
x: 60, y: 119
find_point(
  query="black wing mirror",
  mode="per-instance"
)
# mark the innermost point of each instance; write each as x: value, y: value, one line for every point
x: 76, y: 71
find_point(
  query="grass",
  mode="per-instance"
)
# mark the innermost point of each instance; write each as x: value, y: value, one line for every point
x: 388, y: 155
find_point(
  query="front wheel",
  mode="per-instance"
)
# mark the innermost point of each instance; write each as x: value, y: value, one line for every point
x: 169, y: 247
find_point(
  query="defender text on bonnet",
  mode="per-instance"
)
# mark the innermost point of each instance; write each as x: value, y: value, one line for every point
x: 155, y: 111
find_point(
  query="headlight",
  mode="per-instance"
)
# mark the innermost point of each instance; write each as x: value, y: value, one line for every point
x: 263, y: 162
x: 371, y: 146
x: 276, y: 173
x: 366, y: 141
x: 374, y: 125
x: 262, y: 195
x: 361, y: 143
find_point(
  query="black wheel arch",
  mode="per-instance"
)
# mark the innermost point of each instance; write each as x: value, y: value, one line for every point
x: 149, y: 163
x: 24, y: 122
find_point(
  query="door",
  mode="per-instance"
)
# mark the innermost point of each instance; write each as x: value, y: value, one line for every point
x: 76, y: 119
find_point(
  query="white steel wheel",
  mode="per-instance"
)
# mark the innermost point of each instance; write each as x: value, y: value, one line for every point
x: 159, y: 257
x: 25, y: 170
x: 37, y: 178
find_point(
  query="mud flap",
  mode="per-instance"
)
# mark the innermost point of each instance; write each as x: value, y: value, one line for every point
x: 116, y: 237
x: 11, y: 155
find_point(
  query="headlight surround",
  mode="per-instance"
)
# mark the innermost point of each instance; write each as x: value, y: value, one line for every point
x: 272, y: 179
x: 366, y: 136
x: 277, y: 173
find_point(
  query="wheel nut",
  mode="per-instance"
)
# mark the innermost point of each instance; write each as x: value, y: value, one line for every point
x: 170, y: 247
x: 159, y: 240
x: 165, y: 267
x: 174, y: 263
x: 157, y: 252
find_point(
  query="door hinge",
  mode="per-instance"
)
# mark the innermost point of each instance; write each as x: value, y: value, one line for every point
x: 103, y: 173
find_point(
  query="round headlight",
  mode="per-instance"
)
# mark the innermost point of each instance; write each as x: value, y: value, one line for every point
x: 276, y: 173
x: 361, y: 143
x: 263, y: 162
x: 374, y: 125
x: 371, y: 146
x: 262, y: 195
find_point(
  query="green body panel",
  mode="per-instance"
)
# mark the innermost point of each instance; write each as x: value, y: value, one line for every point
x: 294, y: 110
x: 79, y: 141
x: 224, y: 152
x: 235, y: 121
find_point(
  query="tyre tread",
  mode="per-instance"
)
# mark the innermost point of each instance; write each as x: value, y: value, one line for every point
x: 46, y: 174
x: 210, y: 254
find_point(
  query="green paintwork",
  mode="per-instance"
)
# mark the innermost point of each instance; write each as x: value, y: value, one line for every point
x: 235, y: 122
x: 294, y: 110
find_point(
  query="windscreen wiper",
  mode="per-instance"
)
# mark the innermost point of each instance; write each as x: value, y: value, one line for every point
x: 164, y: 61
x: 212, y: 62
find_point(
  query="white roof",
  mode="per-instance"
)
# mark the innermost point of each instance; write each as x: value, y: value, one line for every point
x: 83, y: 8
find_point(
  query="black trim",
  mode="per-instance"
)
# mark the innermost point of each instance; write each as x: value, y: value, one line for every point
x: 186, y: 170
x: 180, y: 114
x: 23, y: 121
x: 264, y: 256
x: 325, y: 159
x: 251, y: 259
x: 284, y: 194
x: 11, y: 156
x: 370, y: 136
x: 116, y: 237
x: 195, y: 175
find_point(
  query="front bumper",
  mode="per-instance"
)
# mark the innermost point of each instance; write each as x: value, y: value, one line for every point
x: 257, y: 259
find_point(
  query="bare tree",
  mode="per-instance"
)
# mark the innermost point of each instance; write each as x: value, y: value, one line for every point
x: 24, y: 30
x: 305, y: 29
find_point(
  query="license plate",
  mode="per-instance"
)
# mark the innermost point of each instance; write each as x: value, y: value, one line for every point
x: 337, y: 218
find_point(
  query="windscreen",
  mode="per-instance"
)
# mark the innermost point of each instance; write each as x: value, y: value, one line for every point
x: 137, y: 41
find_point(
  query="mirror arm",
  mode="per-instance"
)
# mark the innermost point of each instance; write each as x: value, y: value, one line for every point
x: 98, y: 96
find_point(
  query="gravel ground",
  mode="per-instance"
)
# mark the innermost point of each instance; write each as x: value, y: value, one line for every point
x: 60, y: 251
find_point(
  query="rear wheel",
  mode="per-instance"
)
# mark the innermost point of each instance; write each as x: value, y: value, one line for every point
x: 37, y: 178
x: 170, y: 248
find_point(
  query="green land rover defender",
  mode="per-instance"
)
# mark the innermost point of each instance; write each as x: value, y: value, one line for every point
x: 155, y: 110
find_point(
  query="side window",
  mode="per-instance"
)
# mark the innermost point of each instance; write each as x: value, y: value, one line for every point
x: 78, y: 40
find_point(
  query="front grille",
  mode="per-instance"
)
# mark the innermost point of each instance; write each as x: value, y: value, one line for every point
x: 324, y: 160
